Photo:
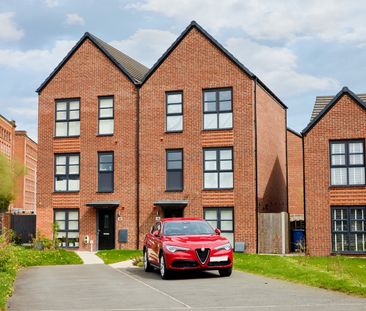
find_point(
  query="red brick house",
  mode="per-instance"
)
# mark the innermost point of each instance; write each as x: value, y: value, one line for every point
x: 335, y: 190
x: 196, y: 135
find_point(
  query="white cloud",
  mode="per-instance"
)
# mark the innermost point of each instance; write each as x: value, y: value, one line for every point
x: 74, y: 19
x: 146, y: 45
x: 8, y: 29
x: 52, y: 3
x: 36, y: 60
x: 341, y: 20
x: 277, y: 67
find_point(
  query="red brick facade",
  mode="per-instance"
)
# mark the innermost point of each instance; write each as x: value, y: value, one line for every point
x: 195, y: 64
x: 344, y: 121
x: 295, y: 176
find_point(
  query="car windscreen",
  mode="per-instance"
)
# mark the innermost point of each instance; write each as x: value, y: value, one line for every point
x: 191, y: 227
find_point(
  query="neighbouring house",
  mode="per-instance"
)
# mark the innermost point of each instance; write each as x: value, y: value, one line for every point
x: 19, y: 147
x: 121, y: 145
x: 334, y: 168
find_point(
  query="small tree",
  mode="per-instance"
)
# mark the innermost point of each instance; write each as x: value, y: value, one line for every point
x: 9, y: 172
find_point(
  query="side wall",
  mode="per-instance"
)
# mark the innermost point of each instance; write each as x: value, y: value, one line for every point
x: 295, y: 176
x: 271, y: 154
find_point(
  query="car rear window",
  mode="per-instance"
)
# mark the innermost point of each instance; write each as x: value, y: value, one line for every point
x: 192, y: 227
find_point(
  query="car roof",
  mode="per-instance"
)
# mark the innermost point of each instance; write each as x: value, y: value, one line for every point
x: 179, y: 219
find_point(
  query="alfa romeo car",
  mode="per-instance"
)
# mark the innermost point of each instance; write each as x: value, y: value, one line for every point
x: 175, y: 244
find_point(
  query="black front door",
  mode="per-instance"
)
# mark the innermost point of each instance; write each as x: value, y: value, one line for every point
x: 173, y: 211
x: 106, y: 221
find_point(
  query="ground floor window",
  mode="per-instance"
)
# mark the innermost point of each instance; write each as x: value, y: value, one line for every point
x: 349, y: 229
x: 68, y: 227
x: 222, y: 218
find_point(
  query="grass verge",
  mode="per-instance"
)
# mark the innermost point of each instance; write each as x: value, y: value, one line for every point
x: 13, y: 258
x: 343, y: 274
x: 117, y: 255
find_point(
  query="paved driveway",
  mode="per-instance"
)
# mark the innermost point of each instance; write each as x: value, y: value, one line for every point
x: 100, y: 287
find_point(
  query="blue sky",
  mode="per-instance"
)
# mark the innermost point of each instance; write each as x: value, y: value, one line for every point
x: 300, y: 49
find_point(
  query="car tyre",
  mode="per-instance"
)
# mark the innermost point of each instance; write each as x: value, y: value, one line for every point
x: 225, y: 272
x: 147, y: 266
x: 164, y: 272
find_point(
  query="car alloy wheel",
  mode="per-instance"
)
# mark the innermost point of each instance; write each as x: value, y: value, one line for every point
x: 164, y: 272
x: 147, y: 266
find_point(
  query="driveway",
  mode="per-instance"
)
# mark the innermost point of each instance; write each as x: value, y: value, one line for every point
x: 100, y: 287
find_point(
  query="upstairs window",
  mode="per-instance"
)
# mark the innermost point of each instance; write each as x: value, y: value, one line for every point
x: 174, y: 170
x: 347, y: 163
x: 105, y: 172
x: 217, y: 109
x: 106, y: 115
x: 67, y: 172
x: 218, y: 168
x: 67, y: 118
x: 174, y: 112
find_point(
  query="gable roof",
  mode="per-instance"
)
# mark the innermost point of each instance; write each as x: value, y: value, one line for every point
x: 130, y: 67
x: 322, y: 101
x: 231, y: 57
x: 321, y: 106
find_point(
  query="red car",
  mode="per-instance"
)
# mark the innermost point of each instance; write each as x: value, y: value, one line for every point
x: 186, y: 244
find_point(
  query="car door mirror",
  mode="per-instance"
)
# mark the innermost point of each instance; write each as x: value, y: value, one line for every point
x: 156, y: 233
x: 218, y: 231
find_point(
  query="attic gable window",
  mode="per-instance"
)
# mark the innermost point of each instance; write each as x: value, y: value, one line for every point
x: 347, y: 163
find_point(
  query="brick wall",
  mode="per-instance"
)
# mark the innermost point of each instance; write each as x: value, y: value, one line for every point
x: 271, y: 144
x: 26, y: 155
x: 87, y: 75
x: 295, y: 175
x: 346, y: 120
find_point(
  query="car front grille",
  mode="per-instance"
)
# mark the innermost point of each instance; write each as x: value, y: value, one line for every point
x: 185, y: 264
x: 202, y: 254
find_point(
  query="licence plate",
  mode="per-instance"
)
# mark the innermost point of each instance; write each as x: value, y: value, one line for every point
x: 218, y: 258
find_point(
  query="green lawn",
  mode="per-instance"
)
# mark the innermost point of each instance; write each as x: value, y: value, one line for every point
x: 117, y: 255
x: 344, y: 274
x: 13, y: 258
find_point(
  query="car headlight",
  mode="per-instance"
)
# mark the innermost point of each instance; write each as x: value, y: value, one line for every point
x: 173, y: 248
x: 226, y: 247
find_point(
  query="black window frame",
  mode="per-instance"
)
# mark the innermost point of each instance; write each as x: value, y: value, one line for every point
x: 347, y: 165
x: 67, y: 169
x: 67, y: 230
x: 217, y: 111
x: 218, y: 168
x: 348, y: 232
x: 167, y: 169
x: 218, y: 218
x: 105, y: 172
x: 105, y: 118
x: 167, y: 115
x: 67, y: 101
